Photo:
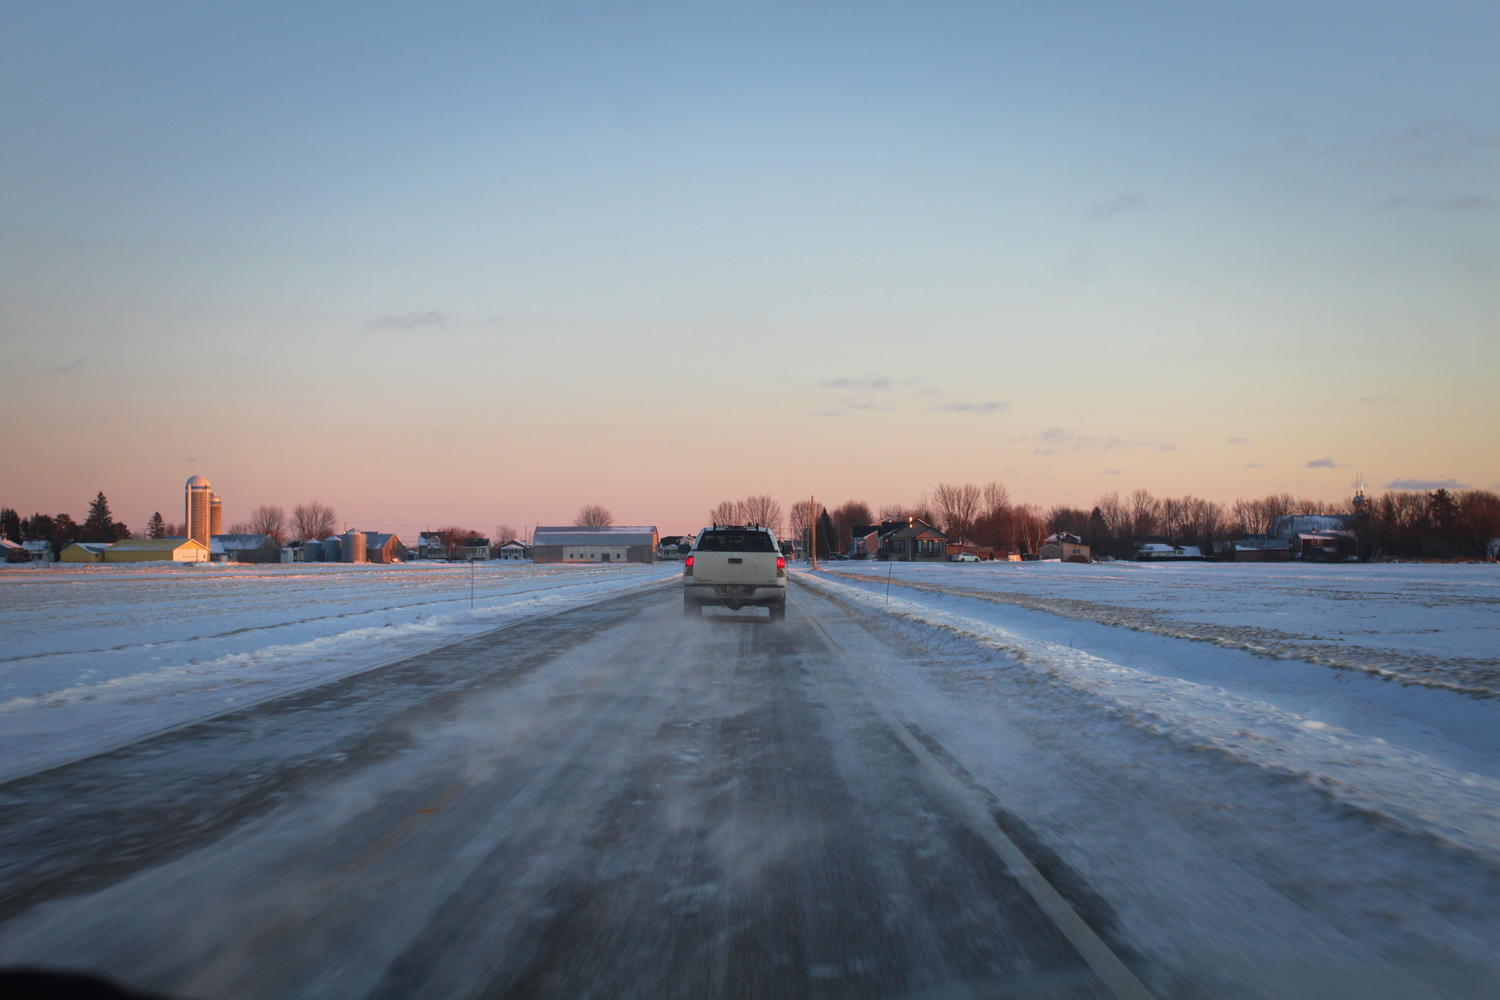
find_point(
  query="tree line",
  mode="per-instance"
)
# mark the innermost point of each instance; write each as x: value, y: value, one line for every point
x: 60, y: 530
x: 1440, y: 524
x: 306, y: 521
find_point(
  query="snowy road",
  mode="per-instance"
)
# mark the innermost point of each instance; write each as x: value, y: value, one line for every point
x: 610, y: 801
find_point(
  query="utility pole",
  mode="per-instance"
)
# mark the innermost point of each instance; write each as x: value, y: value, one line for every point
x: 812, y: 512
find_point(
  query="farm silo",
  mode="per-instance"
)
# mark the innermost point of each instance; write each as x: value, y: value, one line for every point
x: 332, y: 549
x: 215, y: 514
x: 354, y: 546
x: 312, y: 550
x: 197, y: 521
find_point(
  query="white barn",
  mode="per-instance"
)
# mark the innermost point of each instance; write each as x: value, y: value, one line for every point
x: 594, y: 545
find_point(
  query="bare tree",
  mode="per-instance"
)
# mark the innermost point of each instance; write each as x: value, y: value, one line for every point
x: 801, y: 518
x: 764, y: 511
x: 239, y: 528
x: 594, y: 516
x: 728, y: 512
x: 893, y: 512
x: 846, y: 516
x: 1115, y: 515
x: 1250, y: 517
x: 1174, y: 518
x: 1029, y: 527
x: 956, y: 508
x: 996, y: 497
x: 1061, y: 517
x: 268, y: 519
x: 313, y: 520
x: 452, y: 536
x: 504, y: 533
x: 1145, y: 514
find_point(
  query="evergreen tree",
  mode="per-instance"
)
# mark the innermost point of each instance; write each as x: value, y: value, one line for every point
x: 156, y: 527
x: 37, y: 527
x: 100, y: 524
x: 825, y: 533
x: 1098, y: 533
x: 65, y: 532
x: 10, y: 524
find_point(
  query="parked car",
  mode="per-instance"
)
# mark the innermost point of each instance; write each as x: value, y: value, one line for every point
x: 963, y: 557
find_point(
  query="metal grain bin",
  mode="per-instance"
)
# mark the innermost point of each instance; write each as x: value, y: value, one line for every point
x: 333, y: 549
x: 354, y: 546
x: 312, y: 550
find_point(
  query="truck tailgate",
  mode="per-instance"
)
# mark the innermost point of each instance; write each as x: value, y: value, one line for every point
x: 757, y: 568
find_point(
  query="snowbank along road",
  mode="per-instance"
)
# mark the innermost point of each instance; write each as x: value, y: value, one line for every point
x: 602, y: 799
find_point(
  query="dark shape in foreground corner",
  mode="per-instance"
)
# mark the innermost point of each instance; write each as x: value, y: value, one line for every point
x: 39, y: 984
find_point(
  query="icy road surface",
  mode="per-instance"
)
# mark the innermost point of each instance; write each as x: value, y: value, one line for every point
x: 606, y: 800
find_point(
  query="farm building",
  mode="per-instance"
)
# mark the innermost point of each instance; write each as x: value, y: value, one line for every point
x: 1262, y: 549
x: 383, y: 548
x: 156, y: 550
x: 245, y: 549
x: 84, y: 552
x: 1068, y: 548
x: 600, y: 545
x: 1165, y: 552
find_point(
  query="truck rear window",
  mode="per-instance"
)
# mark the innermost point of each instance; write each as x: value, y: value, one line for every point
x: 736, y: 541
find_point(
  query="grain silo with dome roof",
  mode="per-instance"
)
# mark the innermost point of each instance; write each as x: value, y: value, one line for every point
x: 198, y: 523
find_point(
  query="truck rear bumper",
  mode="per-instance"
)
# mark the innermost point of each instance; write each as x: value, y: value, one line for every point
x: 735, y: 594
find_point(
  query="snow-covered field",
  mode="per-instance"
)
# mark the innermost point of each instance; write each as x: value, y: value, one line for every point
x: 1375, y: 684
x: 91, y: 656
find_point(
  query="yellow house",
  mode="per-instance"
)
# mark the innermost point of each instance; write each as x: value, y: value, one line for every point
x: 84, y: 552
x: 157, y: 549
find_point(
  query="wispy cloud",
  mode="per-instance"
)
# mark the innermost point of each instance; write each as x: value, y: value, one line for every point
x: 853, y: 406
x: 1110, y: 472
x: 1321, y: 463
x: 1253, y: 465
x: 862, y: 382
x: 1457, y: 205
x: 71, y: 366
x: 1464, y: 203
x: 883, y: 393
x: 988, y: 406
x: 1240, y: 442
x: 1426, y: 484
x: 1055, y: 440
x: 1127, y: 201
x: 1429, y: 143
x: 407, y: 322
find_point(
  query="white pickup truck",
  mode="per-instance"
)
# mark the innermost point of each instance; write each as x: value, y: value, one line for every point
x: 734, y: 566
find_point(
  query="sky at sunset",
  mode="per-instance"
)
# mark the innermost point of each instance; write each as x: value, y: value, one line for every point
x: 483, y: 263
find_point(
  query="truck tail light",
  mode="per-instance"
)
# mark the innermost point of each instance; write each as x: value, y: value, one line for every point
x: 781, y: 564
x: 687, y: 564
